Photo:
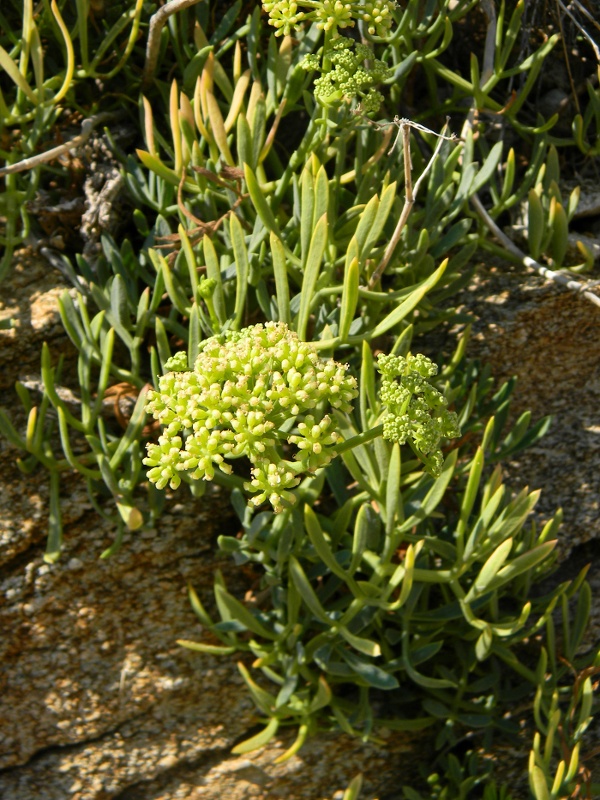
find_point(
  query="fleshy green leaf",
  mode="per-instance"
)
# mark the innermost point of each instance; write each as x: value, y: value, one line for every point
x: 209, y: 649
x: 260, y: 740
x: 240, y: 613
x: 414, y: 298
x: 311, y: 273
x: 372, y: 675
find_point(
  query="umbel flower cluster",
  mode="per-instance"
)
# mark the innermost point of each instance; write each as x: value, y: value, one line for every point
x: 346, y: 76
x: 288, y: 15
x: 417, y: 412
x: 259, y: 393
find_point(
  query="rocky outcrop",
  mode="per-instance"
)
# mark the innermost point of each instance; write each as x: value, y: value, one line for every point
x: 549, y: 339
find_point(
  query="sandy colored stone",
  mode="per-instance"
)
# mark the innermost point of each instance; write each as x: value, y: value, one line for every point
x: 549, y: 339
x: 29, y: 298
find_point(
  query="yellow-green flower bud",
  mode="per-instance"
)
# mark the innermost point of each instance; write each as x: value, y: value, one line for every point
x: 238, y: 401
x: 416, y: 411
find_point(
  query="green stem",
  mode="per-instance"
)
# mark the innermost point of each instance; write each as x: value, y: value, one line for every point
x: 360, y: 438
x: 315, y: 135
x: 228, y: 481
x: 330, y: 35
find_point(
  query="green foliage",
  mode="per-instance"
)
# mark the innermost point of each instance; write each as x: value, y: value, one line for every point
x: 563, y: 709
x: 586, y: 126
x: 271, y: 255
x: 103, y: 448
x: 389, y: 594
x: 458, y: 780
x: 35, y: 85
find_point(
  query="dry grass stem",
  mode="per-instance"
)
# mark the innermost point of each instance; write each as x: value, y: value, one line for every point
x: 404, y: 126
x: 87, y: 126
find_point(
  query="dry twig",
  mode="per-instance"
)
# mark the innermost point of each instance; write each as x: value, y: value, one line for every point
x: 580, y: 27
x: 157, y: 22
x: 550, y: 274
x: 558, y: 277
x: 404, y: 126
x: 87, y: 126
x: 205, y: 228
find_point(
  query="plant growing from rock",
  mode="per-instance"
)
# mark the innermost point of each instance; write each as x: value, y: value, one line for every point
x: 386, y: 594
x: 393, y: 566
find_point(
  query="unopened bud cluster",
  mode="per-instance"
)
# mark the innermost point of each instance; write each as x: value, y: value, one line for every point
x: 288, y: 15
x: 347, y: 77
x: 259, y: 393
x: 417, y: 412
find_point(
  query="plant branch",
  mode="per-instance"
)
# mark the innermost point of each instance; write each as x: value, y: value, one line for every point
x: 87, y: 126
x: 558, y: 277
x: 404, y: 126
x: 360, y: 438
x: 157, y: 22
x: 489, y: 9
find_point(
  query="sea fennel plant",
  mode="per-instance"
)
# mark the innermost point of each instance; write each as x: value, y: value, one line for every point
x: 261, y: 392
x: 371, y: 582
x: 250, y: 392
x: 372, y: 571
x: 385, y: 591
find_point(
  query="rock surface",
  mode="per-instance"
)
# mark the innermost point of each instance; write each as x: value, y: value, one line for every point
x: 98, y: 702
x: 549, y: 339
